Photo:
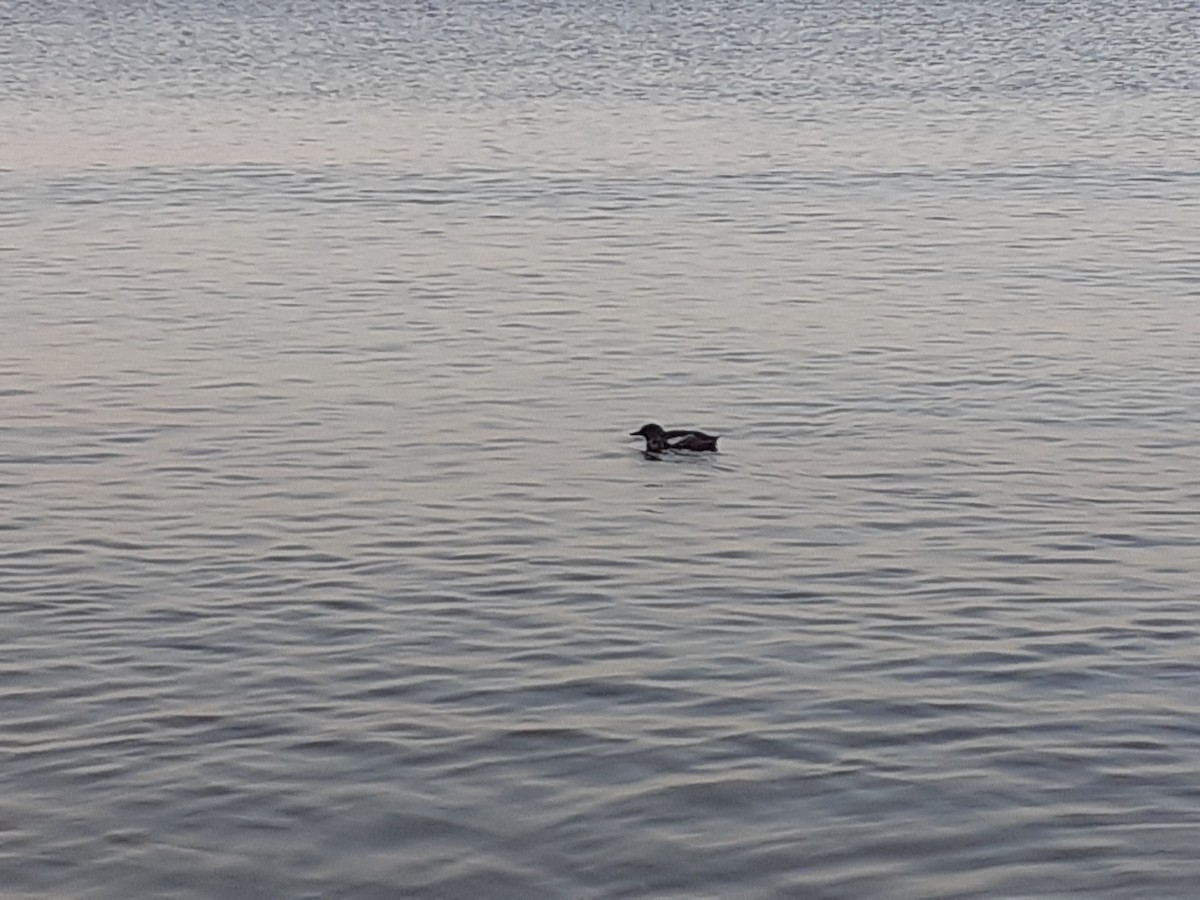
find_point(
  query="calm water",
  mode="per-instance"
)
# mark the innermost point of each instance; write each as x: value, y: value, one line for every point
x: 327, y: 568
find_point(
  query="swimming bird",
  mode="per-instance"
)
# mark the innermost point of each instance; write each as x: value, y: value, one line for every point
x: 658, y: 440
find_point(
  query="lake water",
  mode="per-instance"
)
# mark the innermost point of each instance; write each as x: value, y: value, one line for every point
x: 328, y: 569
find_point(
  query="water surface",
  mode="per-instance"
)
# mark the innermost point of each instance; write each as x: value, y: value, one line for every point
x: 327, y: 567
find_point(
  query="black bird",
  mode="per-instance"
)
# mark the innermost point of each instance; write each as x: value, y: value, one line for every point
x: 658, y: 440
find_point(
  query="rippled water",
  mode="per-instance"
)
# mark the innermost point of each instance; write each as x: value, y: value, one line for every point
x: 327, y: 567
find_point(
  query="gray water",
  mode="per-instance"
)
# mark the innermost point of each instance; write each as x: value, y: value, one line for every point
x: 328, y: 569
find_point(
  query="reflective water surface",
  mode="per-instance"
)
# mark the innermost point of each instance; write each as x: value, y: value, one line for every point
x: 327, y: 567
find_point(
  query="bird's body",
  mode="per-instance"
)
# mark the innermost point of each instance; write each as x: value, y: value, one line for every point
x: 658, y: 439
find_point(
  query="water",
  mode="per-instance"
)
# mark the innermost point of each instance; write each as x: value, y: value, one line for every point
x: 326, y: 565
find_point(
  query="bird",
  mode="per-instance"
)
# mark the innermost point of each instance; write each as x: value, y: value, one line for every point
x: 658, y: 440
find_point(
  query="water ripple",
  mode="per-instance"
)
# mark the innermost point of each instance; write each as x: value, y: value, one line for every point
x: 329, y: 568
